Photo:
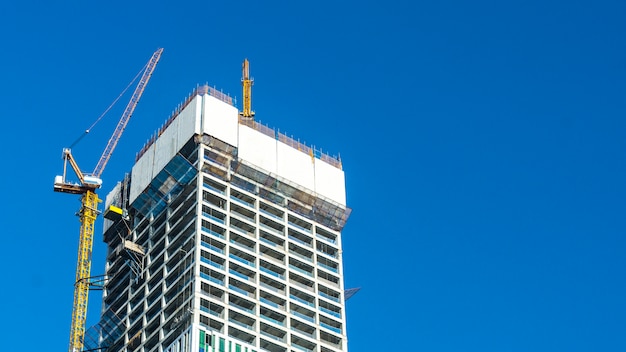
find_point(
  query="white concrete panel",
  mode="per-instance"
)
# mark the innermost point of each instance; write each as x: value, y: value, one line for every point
x: 113, y: 195
x: 220, y: 120
x: 141, y: 175
x: 166, y: 146
x: 174, y: 137
x: 257, y: 148
x: 189, y: 121
x: 330, y: 182
x: 295, y: 166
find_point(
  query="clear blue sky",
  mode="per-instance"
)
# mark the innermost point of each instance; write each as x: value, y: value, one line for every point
x: 483, y: 144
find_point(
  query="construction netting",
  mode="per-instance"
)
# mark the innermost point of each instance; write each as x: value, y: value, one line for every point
x: 166, y: 185
x: 103, y: 334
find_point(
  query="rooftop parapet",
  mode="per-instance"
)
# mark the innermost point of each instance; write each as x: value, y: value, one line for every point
x: 268, y: 131
x: 200, y: 90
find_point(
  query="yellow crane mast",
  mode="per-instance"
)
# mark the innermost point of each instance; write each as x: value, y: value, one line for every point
x: 87, y: 185
x: 247, y: 82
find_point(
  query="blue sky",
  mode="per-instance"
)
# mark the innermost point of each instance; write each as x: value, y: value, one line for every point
x: 483, y: 145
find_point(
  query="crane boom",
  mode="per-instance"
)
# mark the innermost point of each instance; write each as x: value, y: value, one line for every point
x: 121, y: 125
x: 89, y: 210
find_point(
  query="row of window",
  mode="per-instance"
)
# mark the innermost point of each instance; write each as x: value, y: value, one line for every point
x: 272, y: 234
x: 244, y: 281
x: 254, y: 183
x: 271, y: 326
x: 247, y: 205
x: 270, y: 298
x: 243, y: 250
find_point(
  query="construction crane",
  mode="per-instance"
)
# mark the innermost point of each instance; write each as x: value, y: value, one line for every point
x: 247, y: 82
x: 86, y: 186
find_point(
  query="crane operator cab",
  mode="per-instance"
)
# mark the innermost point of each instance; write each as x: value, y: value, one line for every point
x: 86, y: 182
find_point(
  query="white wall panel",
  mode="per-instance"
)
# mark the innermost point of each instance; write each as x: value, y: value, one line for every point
x: 257, y: 148
x: 141, y: 174
x: 189, y: 121
x: 206, y: 114
x: 295, y: 166
x: 166, y: 146
x: 111, y: 196
x: 330, y: 182
x: 220, y: 120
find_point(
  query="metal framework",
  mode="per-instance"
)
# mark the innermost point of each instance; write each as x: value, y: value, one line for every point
x: 88, y: 214
x: 89, y: 209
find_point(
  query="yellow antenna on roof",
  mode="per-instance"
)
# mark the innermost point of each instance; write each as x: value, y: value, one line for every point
x: 247, y: 91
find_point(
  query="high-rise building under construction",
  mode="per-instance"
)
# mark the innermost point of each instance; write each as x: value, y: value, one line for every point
x: 224, y: 237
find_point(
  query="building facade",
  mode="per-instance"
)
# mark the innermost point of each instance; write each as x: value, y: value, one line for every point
x: 226, y: 236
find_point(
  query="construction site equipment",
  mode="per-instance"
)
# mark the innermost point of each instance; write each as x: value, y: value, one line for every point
x: 247, y: 82
x: 86, y: 186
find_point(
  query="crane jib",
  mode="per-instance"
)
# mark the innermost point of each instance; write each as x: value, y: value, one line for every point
x: 130, y: 108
